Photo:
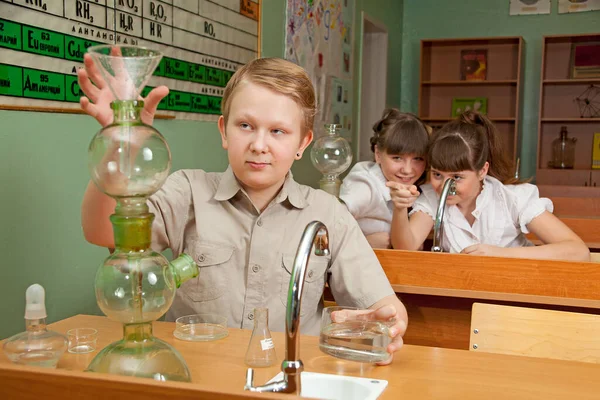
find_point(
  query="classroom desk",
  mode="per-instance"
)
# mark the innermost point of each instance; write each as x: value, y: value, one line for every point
x: 218, y: 371
x: 439, y: 289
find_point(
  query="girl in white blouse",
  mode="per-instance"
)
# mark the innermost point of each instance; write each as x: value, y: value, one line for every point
x: 491, y: 211
x: 399, y: 143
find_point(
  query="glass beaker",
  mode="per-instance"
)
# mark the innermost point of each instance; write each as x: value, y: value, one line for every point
x: 563, y: 150
x: 261, y: 350
x: 348, y: 333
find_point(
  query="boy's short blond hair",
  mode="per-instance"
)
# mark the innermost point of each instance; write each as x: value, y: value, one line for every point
x: 280, y: 76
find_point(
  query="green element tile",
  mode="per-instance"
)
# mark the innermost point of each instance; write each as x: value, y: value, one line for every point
x: 77, y: 47
x: 43, y: 85
x: 214, y: 105
x: 176, y: 69
x: 197, y: 73
x: 11, y: 80
x: 160, y: 70
x: 199, y: 103
x: 72, y: 90
x: 41, y: 41
x: 10, y: 35
x: 214, y: 76
x: 179, y: 101
x: 226, y: 77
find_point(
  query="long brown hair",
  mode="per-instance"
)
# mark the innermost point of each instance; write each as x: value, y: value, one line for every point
x: 466, y: 143
x: 401, y: 133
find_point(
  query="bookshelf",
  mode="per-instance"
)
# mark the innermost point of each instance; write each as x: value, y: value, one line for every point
x: 440, y: 82
x: 558, y: 108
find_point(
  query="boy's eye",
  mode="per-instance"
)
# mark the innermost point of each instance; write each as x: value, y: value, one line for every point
x: 457, y: 177
x: 436, y: 174
x: 419, y: 159
x: 278, y: 131
x: 245, y: 125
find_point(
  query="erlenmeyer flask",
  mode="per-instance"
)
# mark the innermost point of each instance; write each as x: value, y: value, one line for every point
x: 261, y: 350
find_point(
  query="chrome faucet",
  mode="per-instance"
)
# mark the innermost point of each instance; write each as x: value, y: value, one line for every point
x: 315, y: 234
x: 449, y: 188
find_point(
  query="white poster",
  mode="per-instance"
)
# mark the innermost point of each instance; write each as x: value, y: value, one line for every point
x: 571, y: 6
x: 319, y: 39
x: 528, y: 7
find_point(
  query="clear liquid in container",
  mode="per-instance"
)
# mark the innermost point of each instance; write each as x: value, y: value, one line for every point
x: 362, y: 341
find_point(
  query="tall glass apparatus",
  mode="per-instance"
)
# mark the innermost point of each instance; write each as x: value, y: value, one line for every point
x: 331, y: 154
x: 129, y: 161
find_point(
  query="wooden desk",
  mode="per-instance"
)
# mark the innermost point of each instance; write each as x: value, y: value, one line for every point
x: 438, y: 289
x: 218, y: 371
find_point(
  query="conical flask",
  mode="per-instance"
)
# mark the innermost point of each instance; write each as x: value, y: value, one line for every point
x: 129, y: 161
x: 261, y: 350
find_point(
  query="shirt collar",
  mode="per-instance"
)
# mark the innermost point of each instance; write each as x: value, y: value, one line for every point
x: 229, y: 186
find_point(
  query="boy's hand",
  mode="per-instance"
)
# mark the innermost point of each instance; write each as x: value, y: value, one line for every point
x: 403, y: 196
x: 386, y: 314
x: 99, y: 95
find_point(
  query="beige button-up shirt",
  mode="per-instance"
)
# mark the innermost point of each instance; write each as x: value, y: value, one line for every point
x: 246, y: 256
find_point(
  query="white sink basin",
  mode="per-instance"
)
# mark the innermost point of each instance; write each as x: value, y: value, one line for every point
x: 334, y: 387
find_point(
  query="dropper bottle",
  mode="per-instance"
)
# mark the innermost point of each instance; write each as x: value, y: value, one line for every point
x: 37, y: 345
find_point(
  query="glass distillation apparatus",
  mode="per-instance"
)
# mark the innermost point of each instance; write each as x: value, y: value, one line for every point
x: 129, y: 161
x: 331, y: 154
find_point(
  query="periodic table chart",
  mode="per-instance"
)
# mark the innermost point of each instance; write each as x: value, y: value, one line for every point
x: 203, y: 42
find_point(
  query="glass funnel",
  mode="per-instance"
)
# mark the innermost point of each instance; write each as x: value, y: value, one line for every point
x: 129, y: 161
x: 331, y: 154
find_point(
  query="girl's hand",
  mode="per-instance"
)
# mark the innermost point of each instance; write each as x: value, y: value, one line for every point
x: 379, y: 240
x: 483, y: 250
x: 99, y: 95
x: 403, y: 196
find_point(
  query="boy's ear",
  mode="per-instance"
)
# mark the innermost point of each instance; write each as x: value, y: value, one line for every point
x: 221, y: 125
x: 305, y: 141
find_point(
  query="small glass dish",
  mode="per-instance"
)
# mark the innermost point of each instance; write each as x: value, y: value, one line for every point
x: 201, y: 327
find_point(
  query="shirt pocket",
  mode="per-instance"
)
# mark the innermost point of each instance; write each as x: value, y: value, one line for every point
x: 314, y: 281
x: 213, y: 280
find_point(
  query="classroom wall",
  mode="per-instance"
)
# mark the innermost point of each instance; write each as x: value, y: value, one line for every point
x: 432, y: 19
x: 44, y: 175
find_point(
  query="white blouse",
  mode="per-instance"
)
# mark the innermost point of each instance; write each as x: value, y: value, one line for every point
x: 502, y: 213
x: 367, y: 197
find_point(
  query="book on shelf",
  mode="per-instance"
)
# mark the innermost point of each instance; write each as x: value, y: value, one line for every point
x: 585, y: 60
x: 463, y: 104
x: 473, y: 65
x: 596, y: 151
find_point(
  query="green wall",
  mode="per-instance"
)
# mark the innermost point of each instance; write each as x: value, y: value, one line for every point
x: 431, y: 19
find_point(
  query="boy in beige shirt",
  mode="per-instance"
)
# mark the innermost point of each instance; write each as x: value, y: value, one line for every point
x: 243, y: 226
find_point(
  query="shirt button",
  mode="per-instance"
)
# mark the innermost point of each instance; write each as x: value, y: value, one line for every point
x: 201, y: 258
x: 255, y: 268
x: 310, y: 274
x: 259, y: 222
x: 250, y: 316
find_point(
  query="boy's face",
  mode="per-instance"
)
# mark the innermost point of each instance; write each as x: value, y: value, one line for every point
x: 263, y: 137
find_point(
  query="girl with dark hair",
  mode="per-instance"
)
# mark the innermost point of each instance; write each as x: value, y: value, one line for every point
x: 492, y: 210
x: 399, y: 144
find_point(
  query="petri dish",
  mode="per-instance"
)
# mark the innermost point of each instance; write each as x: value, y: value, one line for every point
x: 201, y: 327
